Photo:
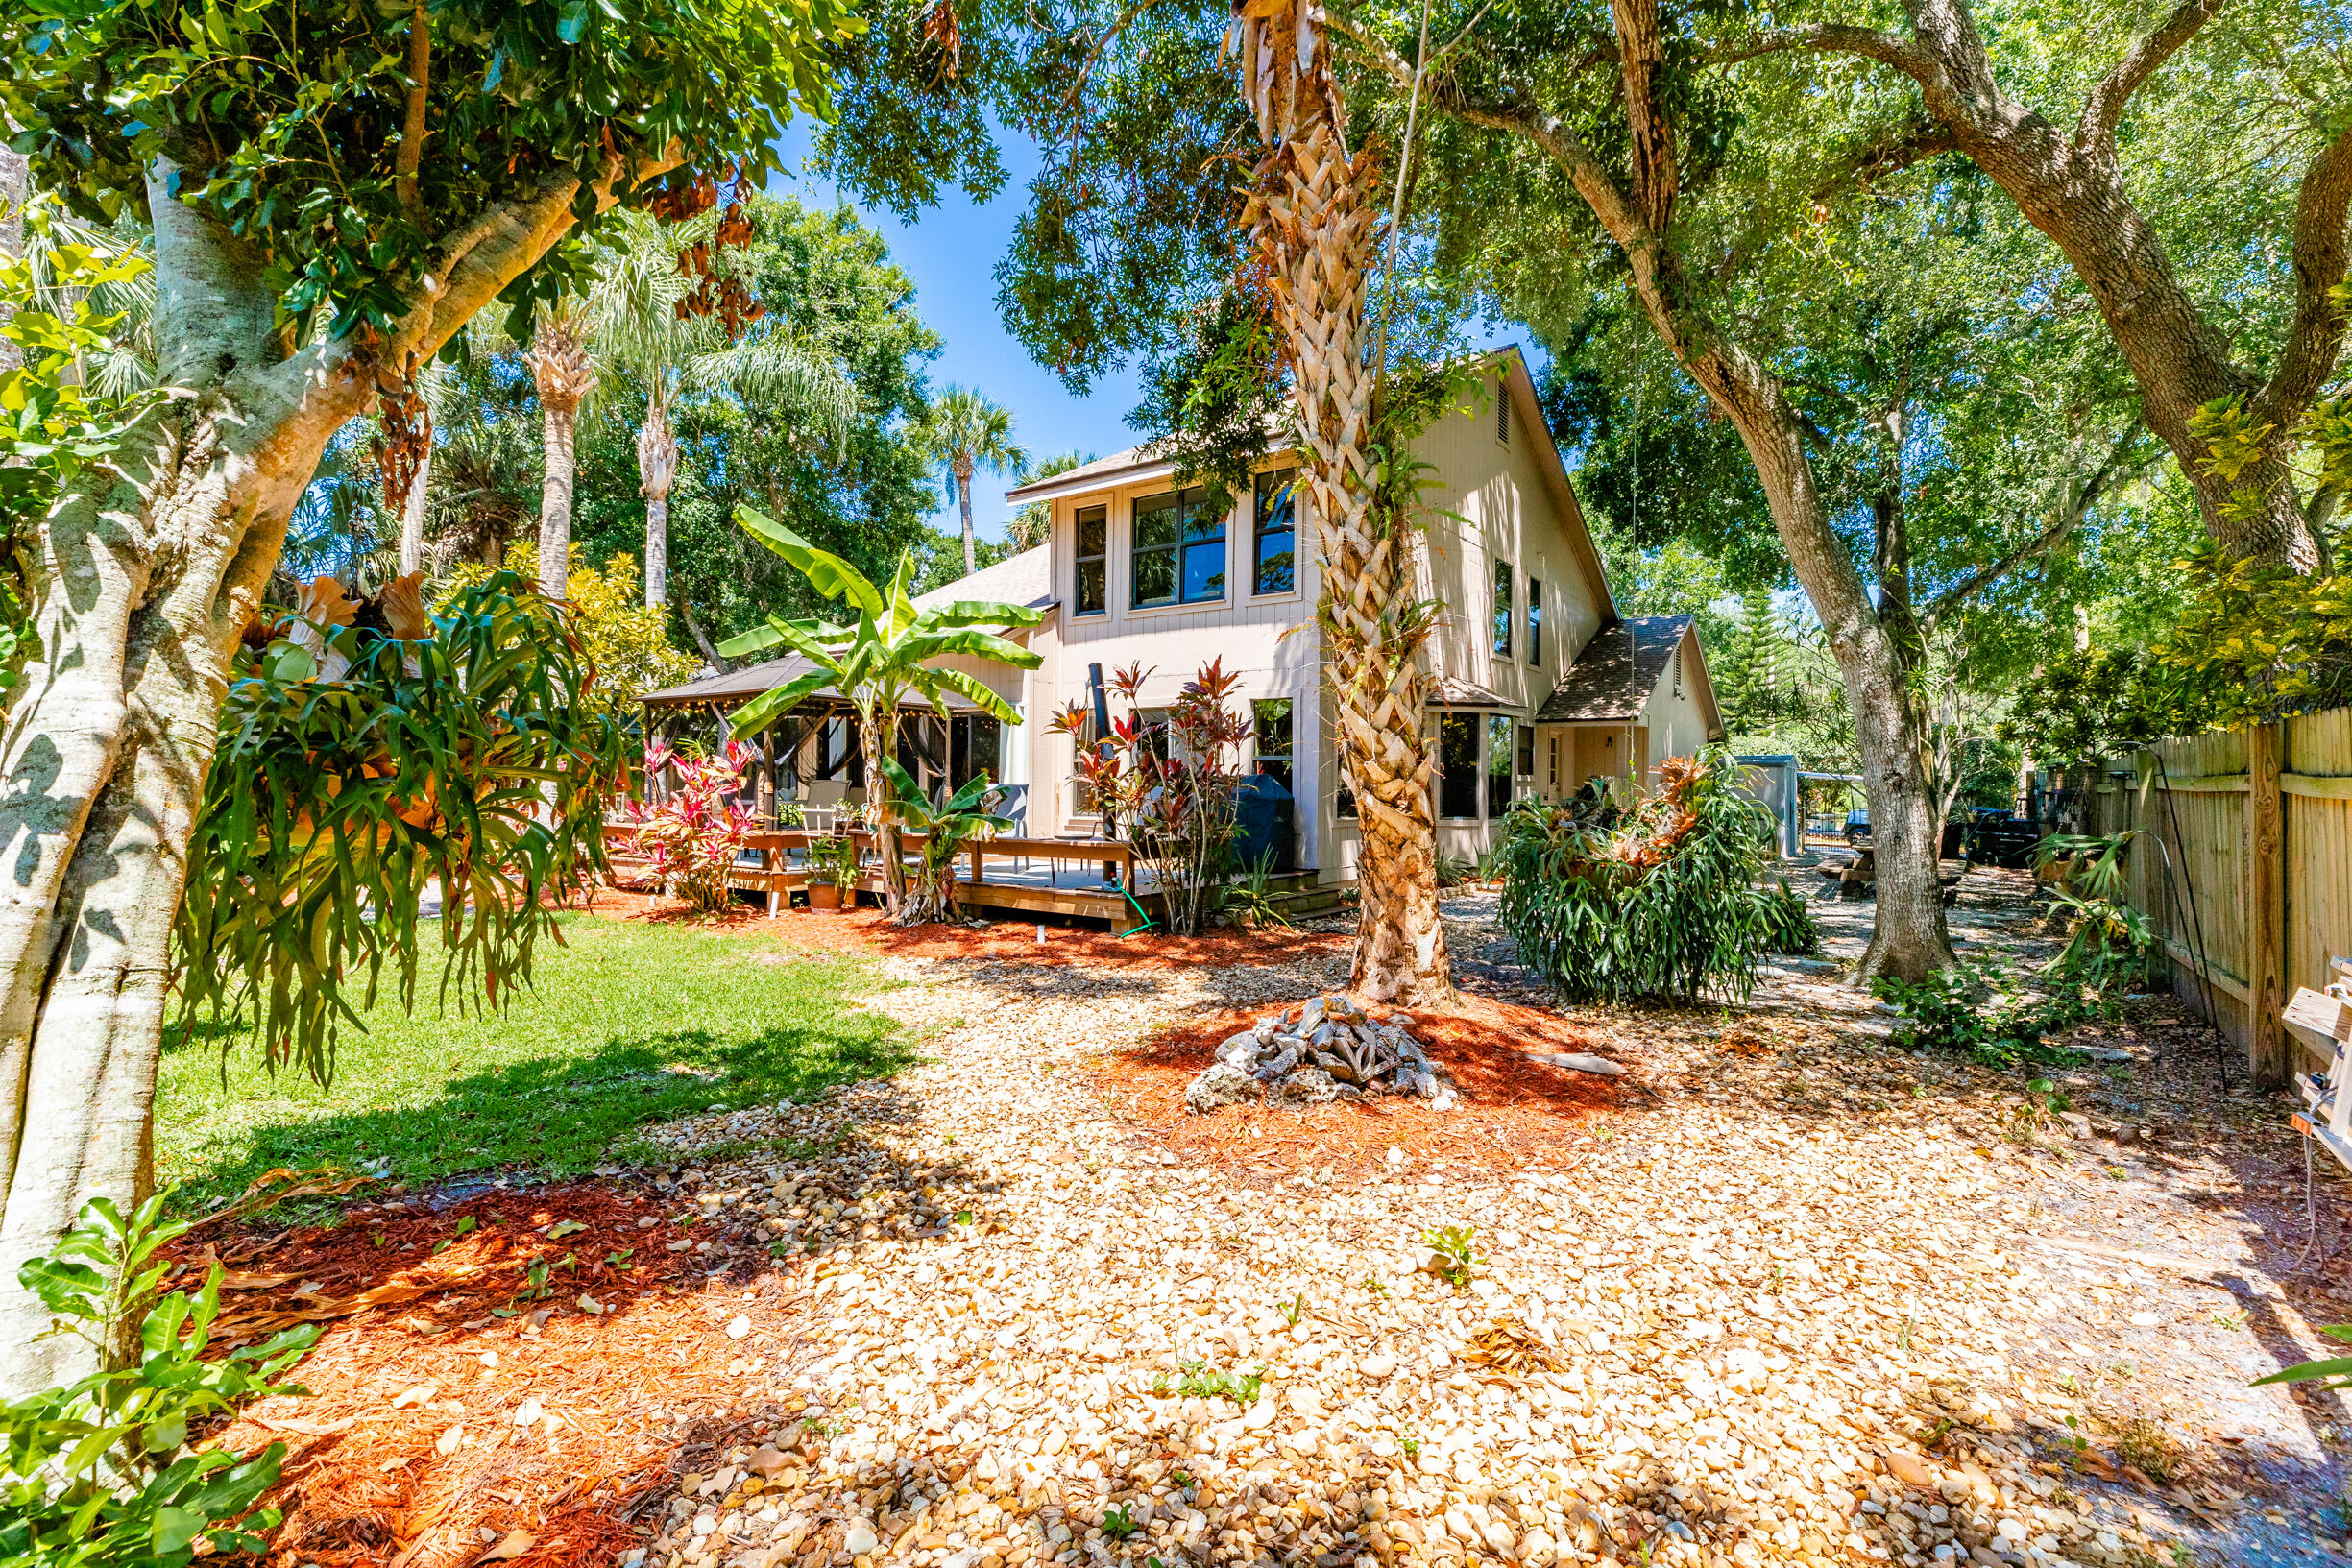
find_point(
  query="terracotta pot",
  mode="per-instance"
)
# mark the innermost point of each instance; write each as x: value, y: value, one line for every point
x: 824, y: 898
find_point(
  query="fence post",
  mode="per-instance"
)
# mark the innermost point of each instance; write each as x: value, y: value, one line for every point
x: 2267, y: 1047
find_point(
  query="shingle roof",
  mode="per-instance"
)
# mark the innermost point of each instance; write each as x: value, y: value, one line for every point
x: 1617, y: 671
x: 1024, y: 579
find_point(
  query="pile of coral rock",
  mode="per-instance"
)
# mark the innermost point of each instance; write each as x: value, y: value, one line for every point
x: 1324, y: 1048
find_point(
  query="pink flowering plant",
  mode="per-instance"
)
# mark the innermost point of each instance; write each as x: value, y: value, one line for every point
x: 693, y: 834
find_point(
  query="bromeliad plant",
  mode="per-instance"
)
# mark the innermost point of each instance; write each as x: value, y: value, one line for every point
x: 1658, y: 900
x: 877, y: 662
x: 368, y: 756
x: 1171, y: 788
x: 98, y: 1473
x: 694, y: 833
x: 948, y: 829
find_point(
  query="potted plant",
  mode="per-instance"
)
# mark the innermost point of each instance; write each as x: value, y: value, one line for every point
x: 833, y: 873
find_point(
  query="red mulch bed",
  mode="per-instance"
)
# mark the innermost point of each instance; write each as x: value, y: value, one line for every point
x: 1515, y: 1111
x: 867, y: 930
x: 364, y: 1483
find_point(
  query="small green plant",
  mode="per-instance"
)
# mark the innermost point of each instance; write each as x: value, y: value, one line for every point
x: 1248, y: 901
x: 1118, y: 1522
x: 1372, y: 1284
x: 98, y: 1473
x: 2035, y: 1113
x: 1412, y: 1447
x: 1292, y: 1311
x: 1454, y: 1256
x: 464, y: 1225
x: 1200, y: 1381
x: 834, y: 861
x: 1945, y: 1014
x: 1183, y: 1482
x: 1790, y: 926
x: 1455, y: 870
x: 1903, y: 1332
x: 2147, y: 1448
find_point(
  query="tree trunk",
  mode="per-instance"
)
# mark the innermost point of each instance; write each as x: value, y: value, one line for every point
x: 16, y: 185
x: 1314, y: 208
x: 141, y: 583
x: 878, y: 736
x: 140, y: 593
x: 412, y: 515
x: 963, y: 497
x: 563, y: 371
x: 657, y: 467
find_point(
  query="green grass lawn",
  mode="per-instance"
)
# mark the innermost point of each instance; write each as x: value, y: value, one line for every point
x: 624, y: 1025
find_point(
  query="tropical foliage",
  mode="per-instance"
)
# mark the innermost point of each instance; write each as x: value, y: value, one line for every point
x: 368, y: 763
x: 100, y: 1472
x: 696, y: 827
x: 625, y: 639
x: 965, y: 431
x: 877, y: 662
x: 1658, y: 898
x: 1170, y: 787
x: 948, y: 830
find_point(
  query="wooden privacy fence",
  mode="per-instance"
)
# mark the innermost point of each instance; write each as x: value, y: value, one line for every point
x: 2245, y: 867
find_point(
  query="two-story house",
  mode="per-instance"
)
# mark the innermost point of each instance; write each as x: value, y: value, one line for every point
x: 1540, y: 684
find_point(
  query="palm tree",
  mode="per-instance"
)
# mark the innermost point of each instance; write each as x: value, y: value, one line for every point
x: 965, y: 431
x: 645, y: 331
x: 1026, y: 529
x: 566, y: 374
x: 875, y: 664
x: 1315, y: 212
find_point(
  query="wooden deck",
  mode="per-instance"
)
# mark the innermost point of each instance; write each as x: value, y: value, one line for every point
x: 1083, y: 878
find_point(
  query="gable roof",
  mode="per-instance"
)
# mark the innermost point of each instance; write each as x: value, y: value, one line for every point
x: 1615, y: 672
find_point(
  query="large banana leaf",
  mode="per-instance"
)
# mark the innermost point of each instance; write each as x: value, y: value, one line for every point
x: 828, y: 573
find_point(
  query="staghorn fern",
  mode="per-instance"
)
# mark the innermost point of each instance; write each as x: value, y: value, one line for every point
x: 466, y: 755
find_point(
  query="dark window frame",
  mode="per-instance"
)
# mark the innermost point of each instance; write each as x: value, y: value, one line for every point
x: 1286, y: 756
x: 1178, y: 550
x: 1506, y: 608
x: 1458, y: 779
x: 1273, y: 482
x: 1500, y: 739
x: 1099, y: 560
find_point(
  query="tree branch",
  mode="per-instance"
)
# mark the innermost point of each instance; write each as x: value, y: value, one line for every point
x: 412, y: 122
x: 2070, y: 516
x: 1891, y: 154
x: 2315, y: 338
x: 1835, y: 39
x: 2141, y: 60
x: 1641, y: 52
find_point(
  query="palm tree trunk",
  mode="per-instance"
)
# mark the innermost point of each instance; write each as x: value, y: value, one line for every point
x: 557, y: 424
x: 1314, y: 210
x: 412, y: 515
x: 963, y: 492
x: 657, y: 467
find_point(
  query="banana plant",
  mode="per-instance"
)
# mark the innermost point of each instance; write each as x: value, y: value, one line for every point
x: 948, y: 829
x: 877, y: 663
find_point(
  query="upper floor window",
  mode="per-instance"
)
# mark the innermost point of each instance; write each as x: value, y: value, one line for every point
x: 1276, y: 532
x: 1179, y: 550
x: 1093, y: 560
x: 1535, y: 620
x: 1502, y: 608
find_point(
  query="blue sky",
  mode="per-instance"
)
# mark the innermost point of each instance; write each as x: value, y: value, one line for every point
x: 951, y: 252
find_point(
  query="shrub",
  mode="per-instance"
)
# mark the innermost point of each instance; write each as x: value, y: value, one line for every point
x: 1977, y: 1011
x: 99, y: 1473
x: 1658, y: 898
x: 1789, y: 926
x: 694, y: 833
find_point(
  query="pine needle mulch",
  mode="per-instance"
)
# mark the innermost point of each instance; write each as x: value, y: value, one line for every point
x: 1515, y: 1111
x: 441, y: 1434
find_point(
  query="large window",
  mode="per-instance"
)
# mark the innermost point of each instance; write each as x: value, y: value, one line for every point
x: 975, y: 745
x: 1179, y: 550
x: 1527, y: 752
x: 1535, y: 621
x: 1502, y: 608
x: 1499, y: 749
x: 1458, y: 765
x: 1093, y: 560
x: 1276, y: 532
x: 1271, y: 720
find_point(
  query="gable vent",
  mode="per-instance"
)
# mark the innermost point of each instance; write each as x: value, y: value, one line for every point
x: 1502, y: 410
